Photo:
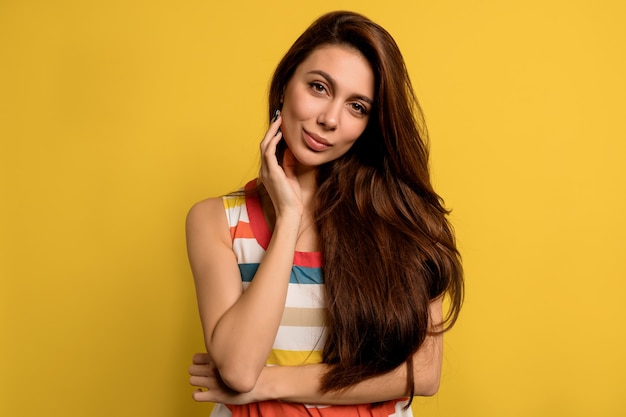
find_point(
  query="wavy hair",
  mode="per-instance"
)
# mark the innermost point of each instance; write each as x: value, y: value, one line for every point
x: 387, y: 245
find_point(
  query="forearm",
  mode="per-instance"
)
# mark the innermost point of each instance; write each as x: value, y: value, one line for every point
x: 253, y: 320
x: 302, y: 384
x: 297, y: 384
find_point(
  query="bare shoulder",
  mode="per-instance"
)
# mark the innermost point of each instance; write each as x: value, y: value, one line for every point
x: 208, y: 218
x: 205, y: 209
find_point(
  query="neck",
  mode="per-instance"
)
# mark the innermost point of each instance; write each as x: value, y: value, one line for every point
x: 308, y: 239
x: 307, y: 178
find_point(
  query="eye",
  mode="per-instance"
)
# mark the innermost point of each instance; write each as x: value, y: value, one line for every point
x: 317, y: 87
x: 359, y: 108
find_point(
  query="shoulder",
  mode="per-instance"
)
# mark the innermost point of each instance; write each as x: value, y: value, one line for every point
x: 205, y: 210
x: 207, y: 219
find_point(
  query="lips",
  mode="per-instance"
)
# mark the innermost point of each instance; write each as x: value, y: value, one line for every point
x: 315, y: 142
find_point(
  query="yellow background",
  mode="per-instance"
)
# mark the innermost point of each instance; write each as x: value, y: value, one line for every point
x: 116, y: 116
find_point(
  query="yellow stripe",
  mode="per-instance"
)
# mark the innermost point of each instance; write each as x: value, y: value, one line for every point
x: 294, y: 357
x: 233, y: 201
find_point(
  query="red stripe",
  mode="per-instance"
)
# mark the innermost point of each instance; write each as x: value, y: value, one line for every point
x: 283, y: 409
x: 308, y: 259
x: 257, y: 220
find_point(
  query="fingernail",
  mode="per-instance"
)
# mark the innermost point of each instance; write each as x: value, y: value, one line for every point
x: 276, y: 114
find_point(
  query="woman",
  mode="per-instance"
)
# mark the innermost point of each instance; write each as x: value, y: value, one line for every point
x: 342, y: 245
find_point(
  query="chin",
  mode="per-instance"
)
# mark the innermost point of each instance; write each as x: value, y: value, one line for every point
x: 309, y: 159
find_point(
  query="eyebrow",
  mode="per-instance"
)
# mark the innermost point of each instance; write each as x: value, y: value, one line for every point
x: 333, y: 84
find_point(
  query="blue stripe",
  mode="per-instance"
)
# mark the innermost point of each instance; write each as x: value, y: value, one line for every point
x: 299, y: 274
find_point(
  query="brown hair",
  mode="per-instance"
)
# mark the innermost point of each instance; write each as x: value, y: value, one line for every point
x: 387, y: 246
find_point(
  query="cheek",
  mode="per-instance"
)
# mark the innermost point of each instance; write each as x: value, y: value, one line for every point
x: 355, y: 130
x: 299, y: 107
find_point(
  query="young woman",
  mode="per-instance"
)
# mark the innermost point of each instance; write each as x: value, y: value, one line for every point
x: 320, y: 284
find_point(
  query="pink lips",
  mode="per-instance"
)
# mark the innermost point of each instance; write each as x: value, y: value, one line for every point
x: 315, y: 142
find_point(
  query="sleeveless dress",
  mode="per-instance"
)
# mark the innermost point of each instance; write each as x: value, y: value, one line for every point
x: 300, y: 336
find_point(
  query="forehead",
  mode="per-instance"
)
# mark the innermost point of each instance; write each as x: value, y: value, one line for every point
x: 346, y: 65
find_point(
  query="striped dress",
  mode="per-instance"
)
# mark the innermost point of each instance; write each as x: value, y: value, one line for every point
x: 300, y: 337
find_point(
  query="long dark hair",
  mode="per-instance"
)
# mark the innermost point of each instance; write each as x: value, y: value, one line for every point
x: 387, y: 245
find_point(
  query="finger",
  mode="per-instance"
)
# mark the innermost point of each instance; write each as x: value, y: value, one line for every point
x: 269, y: 152
x: 202, y: 396
x: 269, y: 161
x: 198, y: 381
x: 272, y: 131
x: 201, y: 370
x: 201, y: 381
x: 268, y: 148
x: 201, y: 358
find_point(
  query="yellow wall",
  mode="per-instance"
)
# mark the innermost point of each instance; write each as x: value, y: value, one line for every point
x: 116, y: 116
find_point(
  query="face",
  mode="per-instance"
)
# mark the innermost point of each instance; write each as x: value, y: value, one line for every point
x: 326, y: 104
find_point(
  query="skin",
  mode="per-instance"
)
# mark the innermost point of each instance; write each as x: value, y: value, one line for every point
x: 329, y: 99
x: 326, y: 107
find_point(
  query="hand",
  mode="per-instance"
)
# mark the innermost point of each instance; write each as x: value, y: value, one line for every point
x: 280, y: 182
x: 212, y: 389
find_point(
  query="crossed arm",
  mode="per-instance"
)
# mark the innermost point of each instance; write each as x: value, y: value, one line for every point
x: 301, y: 383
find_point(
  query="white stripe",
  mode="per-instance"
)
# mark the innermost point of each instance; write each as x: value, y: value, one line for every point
x: 220, y: 410
x: 401, y: 411
x: 235, y: 213
x: 302, y: 295
x: 300, y: 338
x: 248, y: 251
x: 305, y: 295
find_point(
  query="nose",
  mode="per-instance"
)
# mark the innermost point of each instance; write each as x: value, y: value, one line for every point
x: 329, y: 116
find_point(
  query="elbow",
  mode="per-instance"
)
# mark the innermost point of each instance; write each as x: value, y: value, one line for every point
x: 237, y: 371
x: 427, y: 383
x: 238, y: 378
x: 428, y: 388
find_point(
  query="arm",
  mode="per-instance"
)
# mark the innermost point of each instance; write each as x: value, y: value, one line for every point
x: 234, y: 320
x: 302, y: 383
